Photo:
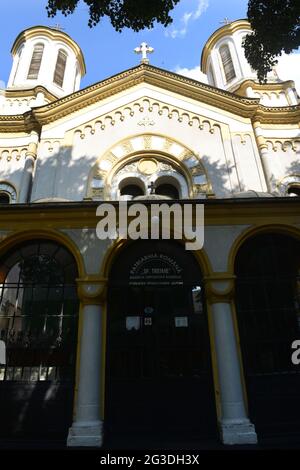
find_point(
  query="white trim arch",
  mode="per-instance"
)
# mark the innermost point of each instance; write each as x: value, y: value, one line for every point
x: 7, y: 188
x: 148, y: 156
x: 287, y: 183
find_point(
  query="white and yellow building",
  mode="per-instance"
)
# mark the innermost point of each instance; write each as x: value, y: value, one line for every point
x: 88, y: 356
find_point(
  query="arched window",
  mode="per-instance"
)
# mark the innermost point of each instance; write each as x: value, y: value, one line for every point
x: 268, y: 311
x: 227, y: 63
x: 4, y: 198
x: 294, y: 190
x: 60, y: 68
x: 131, y: 187
x: 168, y: 190
x: 7, y: 193
x: 131, y: 190
x: 35, y: 63
x: 38, y: 325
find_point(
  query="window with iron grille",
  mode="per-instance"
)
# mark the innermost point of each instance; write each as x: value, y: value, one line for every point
x: 60, y: 67
x: 35, y: 63
x: 227, y: 63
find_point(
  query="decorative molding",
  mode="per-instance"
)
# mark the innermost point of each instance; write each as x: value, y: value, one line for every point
x: 283, y: 144
x: 10, y: 190
x: 13, y: 153
x: 146, y: 121
x: 149, y: 149
x: 186, y: 87
x: 153, y: 106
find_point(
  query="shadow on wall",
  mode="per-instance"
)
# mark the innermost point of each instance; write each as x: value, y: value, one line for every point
x: 219, y: 175
x: 59, y: 175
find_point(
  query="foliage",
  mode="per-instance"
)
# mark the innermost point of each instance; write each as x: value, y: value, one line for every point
x: 134, y: 14
x: 276, y: 29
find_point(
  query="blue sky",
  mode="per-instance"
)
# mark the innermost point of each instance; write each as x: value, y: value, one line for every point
x: 106, y: 52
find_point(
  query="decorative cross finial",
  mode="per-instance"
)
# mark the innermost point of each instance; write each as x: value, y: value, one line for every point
x: 58, y: 27
x: 152, y: 187
x: 225, y: 21
x: 144, y: 49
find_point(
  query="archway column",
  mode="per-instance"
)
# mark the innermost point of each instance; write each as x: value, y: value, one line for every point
x: 87, y: 427
x: 234, y: 425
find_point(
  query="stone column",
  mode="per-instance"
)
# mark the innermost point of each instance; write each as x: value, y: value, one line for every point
x: 27, y: 175
x: 235, y: 427
x: 87, y: 427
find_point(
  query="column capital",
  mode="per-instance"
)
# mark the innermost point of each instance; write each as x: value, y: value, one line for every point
x: 92, y: 290
x: 219, y: 287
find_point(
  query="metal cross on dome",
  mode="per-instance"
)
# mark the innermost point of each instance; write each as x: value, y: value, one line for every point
x: 58, y: 27
x: 226, y: 21
x: 144, y: 49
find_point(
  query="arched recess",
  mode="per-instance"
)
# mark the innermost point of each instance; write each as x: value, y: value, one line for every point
x: 39, y: 330
x: 53, y: 235
x: 267, y: 269
x: 9, y: 190
x: 158, y: 351
x: 287, y: 183
x: 146, y: 156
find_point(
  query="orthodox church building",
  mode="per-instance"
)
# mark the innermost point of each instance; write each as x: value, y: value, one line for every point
x: 111, y: 340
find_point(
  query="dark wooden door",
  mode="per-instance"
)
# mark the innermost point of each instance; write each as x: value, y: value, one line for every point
x: 158, y: 372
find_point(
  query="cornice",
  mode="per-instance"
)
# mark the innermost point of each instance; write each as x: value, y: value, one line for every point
x: 275, y: 86
x: 226, y: 30
x: 178, y: 84
x: 11, y: 93
x: 53, y: 34
x: 281, y: 115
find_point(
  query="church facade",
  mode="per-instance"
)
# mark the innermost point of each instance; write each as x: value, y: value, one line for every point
x: 106, y: 338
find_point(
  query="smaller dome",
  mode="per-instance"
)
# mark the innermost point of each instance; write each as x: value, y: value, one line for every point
x: 47, y: 57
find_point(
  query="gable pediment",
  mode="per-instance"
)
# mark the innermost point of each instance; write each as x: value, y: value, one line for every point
x: 183, y: 87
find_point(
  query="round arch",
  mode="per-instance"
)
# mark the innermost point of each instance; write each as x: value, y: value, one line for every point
x: 267, y: 296
x: 119, y: 245
x: 158, y: 343
x: 147, y: 147
x: 248, y: 233
x: 39, y: 333
x: 18, y: 237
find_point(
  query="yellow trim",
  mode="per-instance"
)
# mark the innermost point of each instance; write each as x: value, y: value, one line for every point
x: 25, y: 235
x: 248, y: 233
x: 264, y: 87
x: 160, y: 156
x: 12, y: 93
x: 119, y: 245
x: 53, y: 34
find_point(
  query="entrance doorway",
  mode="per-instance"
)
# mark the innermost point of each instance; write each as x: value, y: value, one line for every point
x: 158, y: 370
